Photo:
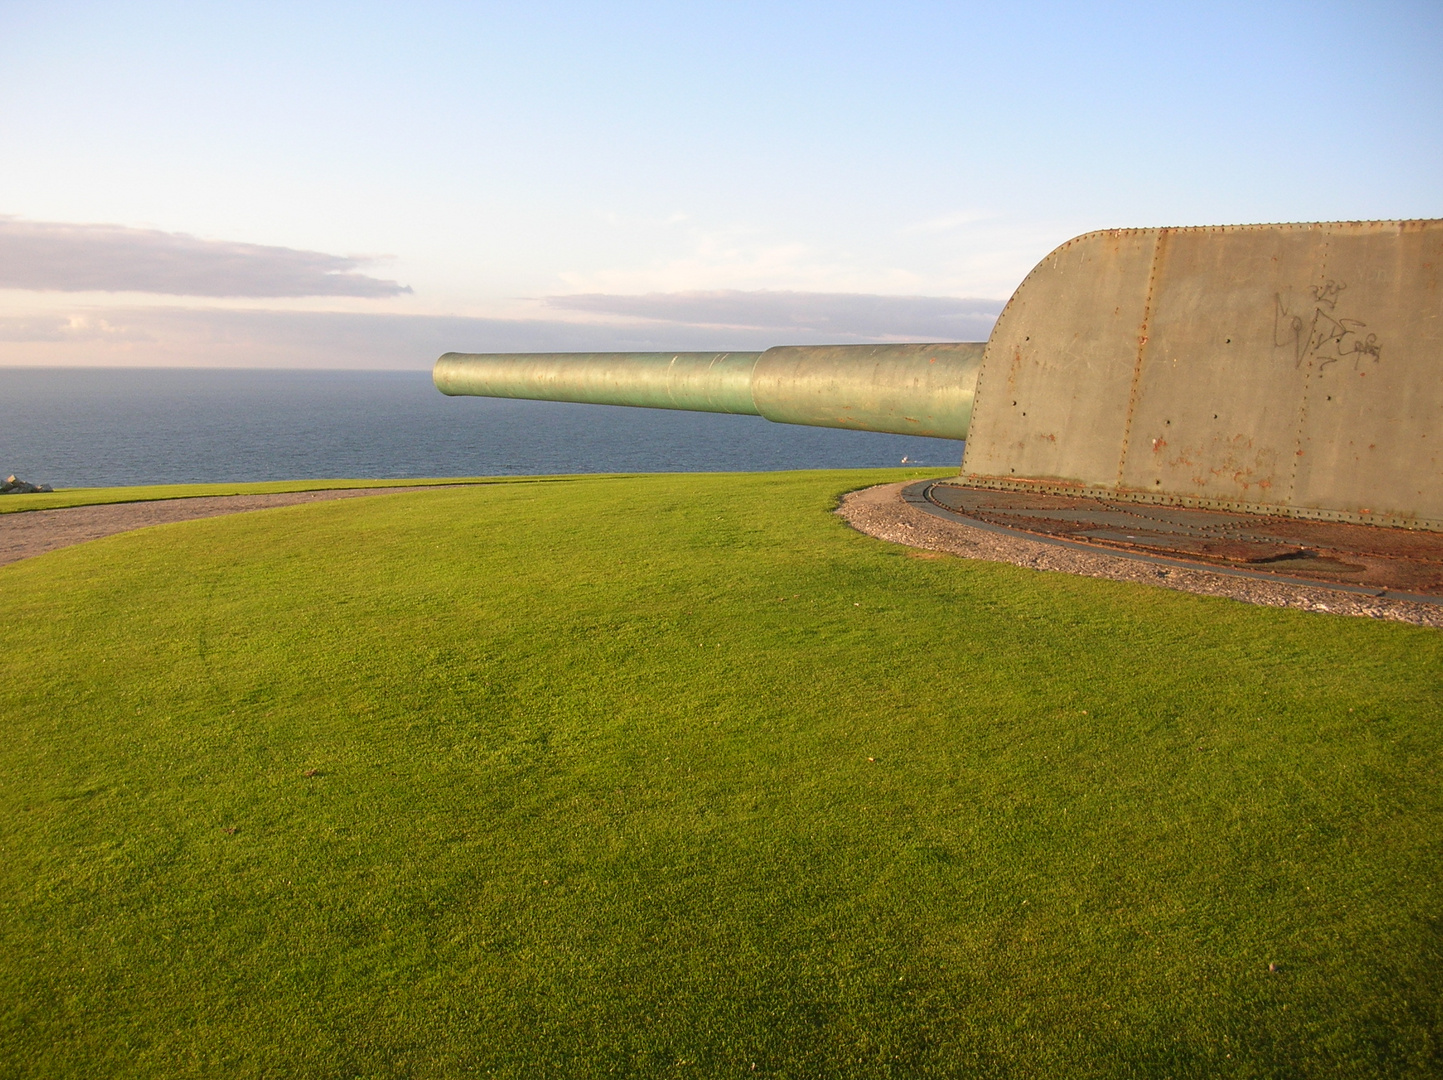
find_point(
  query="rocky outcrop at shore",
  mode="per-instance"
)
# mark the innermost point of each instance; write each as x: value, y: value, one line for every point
x: 13, y: 485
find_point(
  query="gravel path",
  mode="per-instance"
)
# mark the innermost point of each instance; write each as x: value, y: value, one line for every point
x: 34, y: 532
x: 881, y: 512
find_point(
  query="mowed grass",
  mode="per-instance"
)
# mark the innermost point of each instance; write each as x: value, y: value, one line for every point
x: 678, y: 775
x: 65, y: 497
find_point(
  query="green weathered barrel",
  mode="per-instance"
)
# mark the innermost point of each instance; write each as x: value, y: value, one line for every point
x: 905, y: 389
x: 695, y: 381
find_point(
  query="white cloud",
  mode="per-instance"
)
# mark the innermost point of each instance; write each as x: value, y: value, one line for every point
x: 947, y: 222
x: 29, y: 329
x: 846, y: 316
x: 692, y: 257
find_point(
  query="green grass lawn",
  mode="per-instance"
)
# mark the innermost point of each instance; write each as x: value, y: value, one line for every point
x: 677, y: 775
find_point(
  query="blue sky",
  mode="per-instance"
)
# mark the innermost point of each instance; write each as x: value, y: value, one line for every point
x: 518, y: 176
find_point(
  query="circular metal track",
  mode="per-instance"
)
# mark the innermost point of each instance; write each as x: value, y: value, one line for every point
x: 1372, y: 559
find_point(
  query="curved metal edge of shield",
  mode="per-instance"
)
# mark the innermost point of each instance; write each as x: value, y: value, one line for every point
x: 1286, y: 369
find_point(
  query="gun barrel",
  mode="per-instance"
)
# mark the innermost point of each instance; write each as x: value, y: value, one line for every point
x: 905, y: 389
x: 697, y: 381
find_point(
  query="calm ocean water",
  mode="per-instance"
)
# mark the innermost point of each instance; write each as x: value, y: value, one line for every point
x: 96, y: 427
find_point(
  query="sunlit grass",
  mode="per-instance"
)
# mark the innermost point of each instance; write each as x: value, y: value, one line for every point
x: 679, y: 774
x: 54, y: 500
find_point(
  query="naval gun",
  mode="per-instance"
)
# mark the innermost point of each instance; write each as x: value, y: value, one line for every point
x: 1291, y: 370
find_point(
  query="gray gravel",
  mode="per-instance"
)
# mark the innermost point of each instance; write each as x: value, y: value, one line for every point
x: 881, y: 512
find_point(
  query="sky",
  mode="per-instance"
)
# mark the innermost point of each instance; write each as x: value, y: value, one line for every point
x: 312, y: 185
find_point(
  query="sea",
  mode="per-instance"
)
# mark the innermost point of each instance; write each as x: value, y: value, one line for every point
x: 98, y: 427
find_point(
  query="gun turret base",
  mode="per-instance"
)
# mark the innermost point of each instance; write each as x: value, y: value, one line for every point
x: 1381, y: 561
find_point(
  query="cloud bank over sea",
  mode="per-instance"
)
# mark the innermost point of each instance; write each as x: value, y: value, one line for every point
x: 62, y: 257
x: 218, y: 337
x: 187, y: 301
